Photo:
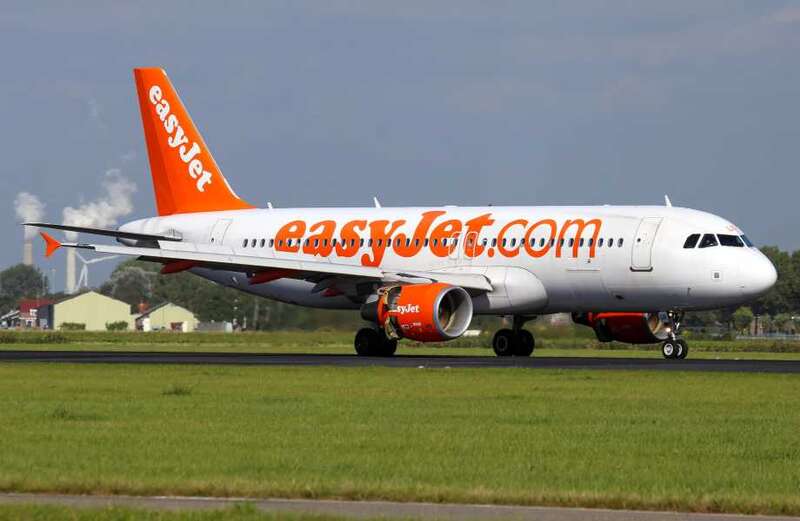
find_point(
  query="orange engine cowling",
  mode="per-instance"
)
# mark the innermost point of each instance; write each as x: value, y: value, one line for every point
x: 422, y: 312
x: 633, y: 328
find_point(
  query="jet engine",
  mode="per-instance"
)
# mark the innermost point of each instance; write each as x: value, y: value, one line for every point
x: 632, y: 328
x: 422, y: 312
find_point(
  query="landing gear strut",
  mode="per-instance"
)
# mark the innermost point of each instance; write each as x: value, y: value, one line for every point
x: 515, y: 341
x: 674, y: 348
x: 374, y: 342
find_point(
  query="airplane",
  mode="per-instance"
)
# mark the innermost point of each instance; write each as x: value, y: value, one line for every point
x: 421, y: 273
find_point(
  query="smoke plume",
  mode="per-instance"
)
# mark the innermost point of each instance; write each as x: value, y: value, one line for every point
x: 104, y: 211
x: 29, y: 209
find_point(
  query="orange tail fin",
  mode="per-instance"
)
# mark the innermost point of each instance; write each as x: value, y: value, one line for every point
x: 185, y: 176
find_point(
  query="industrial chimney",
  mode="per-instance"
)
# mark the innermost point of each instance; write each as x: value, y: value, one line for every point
x: 69, y: 274
x: 28, y: 209
x: 27, y: 252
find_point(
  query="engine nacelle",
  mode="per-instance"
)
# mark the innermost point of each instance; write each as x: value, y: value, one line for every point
x: 422, y: 312
x: 633, y: 328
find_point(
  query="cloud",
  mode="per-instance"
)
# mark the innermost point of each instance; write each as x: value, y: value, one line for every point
x: 105, y: 211
x: 29, y: 208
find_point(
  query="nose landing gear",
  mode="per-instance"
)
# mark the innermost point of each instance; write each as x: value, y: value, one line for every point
x: 515, y: 341
x: 674, y: 348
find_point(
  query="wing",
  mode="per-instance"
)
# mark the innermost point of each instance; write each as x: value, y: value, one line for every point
x: 106, y: 232
x: 179, y: 256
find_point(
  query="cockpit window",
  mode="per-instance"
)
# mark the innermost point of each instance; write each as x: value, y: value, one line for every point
x: 691, y: 241
x: 747, y: 241
x: 730, y: 240
x: 708, y: 240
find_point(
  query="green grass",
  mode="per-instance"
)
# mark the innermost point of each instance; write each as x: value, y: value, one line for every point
x: 59, y: 513
x: 339, y: 342
x: 618, y: 439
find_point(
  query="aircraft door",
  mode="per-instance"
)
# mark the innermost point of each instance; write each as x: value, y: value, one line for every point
x: 642, y: 248
x: 218, y: 231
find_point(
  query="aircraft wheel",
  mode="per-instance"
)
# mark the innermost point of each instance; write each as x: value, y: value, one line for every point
x: 368, y: 342
x: 669, y: 350
x: 504, y: 342
x: 525, y: 343
x: 683, y: 349
x: 388, y: 347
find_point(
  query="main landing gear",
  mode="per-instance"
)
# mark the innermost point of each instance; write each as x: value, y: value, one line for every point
x: 374, y: 342
x: 674, y: 348
x: 515, y: 341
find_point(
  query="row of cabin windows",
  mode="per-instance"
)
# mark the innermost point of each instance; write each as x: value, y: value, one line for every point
x: 710, y: 240
x: 452, y: 241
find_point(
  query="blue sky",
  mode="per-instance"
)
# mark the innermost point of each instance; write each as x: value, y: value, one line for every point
x: 419, y: 102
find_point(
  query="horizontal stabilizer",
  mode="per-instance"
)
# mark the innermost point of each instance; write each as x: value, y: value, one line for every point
x: 108, y: 233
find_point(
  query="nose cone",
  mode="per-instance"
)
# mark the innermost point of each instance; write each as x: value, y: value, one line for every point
x: 759, y: 276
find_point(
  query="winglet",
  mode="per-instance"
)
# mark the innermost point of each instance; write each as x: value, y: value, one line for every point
x: 51, y: 244
x: 667, y: 202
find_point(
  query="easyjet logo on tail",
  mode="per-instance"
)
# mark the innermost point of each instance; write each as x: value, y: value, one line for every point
x: 177, y: 139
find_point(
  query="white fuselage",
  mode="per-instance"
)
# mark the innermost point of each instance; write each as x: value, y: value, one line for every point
x: 612, y: 258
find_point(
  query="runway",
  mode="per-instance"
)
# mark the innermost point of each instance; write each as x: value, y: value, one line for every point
x: 374, y: 509
x: 649, y: 364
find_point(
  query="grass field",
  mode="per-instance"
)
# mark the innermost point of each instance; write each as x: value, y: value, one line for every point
x: 54, y: 513
x: 341, y: 342
x: 688, y: 441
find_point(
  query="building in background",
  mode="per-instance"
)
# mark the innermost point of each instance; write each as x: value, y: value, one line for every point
x: 26, y: 314
x: 166, y: 317
x: 93, y: 310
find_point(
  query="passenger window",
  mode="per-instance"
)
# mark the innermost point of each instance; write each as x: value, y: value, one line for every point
x: 513, y: 242
x: 561, y: 242
x: 600, y: 242
x: 708, y: 240
x: 416, y: 242
x: 552, y: 242
x: 263, y: 242
x: 325, y: 242
x: 611, y: 242
x: 369, y: 243
x: 427, y: 241
x: 619, y: 242
x: 408, y: 242
x: 244, y: 243
x: 571, y: 242
x: 730, y: 240
x: 691, y: 241
x: 380, y: 243
x: 541, y: 242
x: 591, y: 241
x: 581, y: 243
x: 485, y: 241
x: 494, y: 242
x: 271, y: 243
x: 361, y: 242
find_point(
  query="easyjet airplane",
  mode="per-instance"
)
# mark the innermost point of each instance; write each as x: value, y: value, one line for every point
x: 628, y: 272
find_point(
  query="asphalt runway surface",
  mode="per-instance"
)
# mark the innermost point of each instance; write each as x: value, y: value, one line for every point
x: 649, y: 364
x: 375, y: 509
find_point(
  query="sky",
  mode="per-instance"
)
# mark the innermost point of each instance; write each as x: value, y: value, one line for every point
x: 419, y: 102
